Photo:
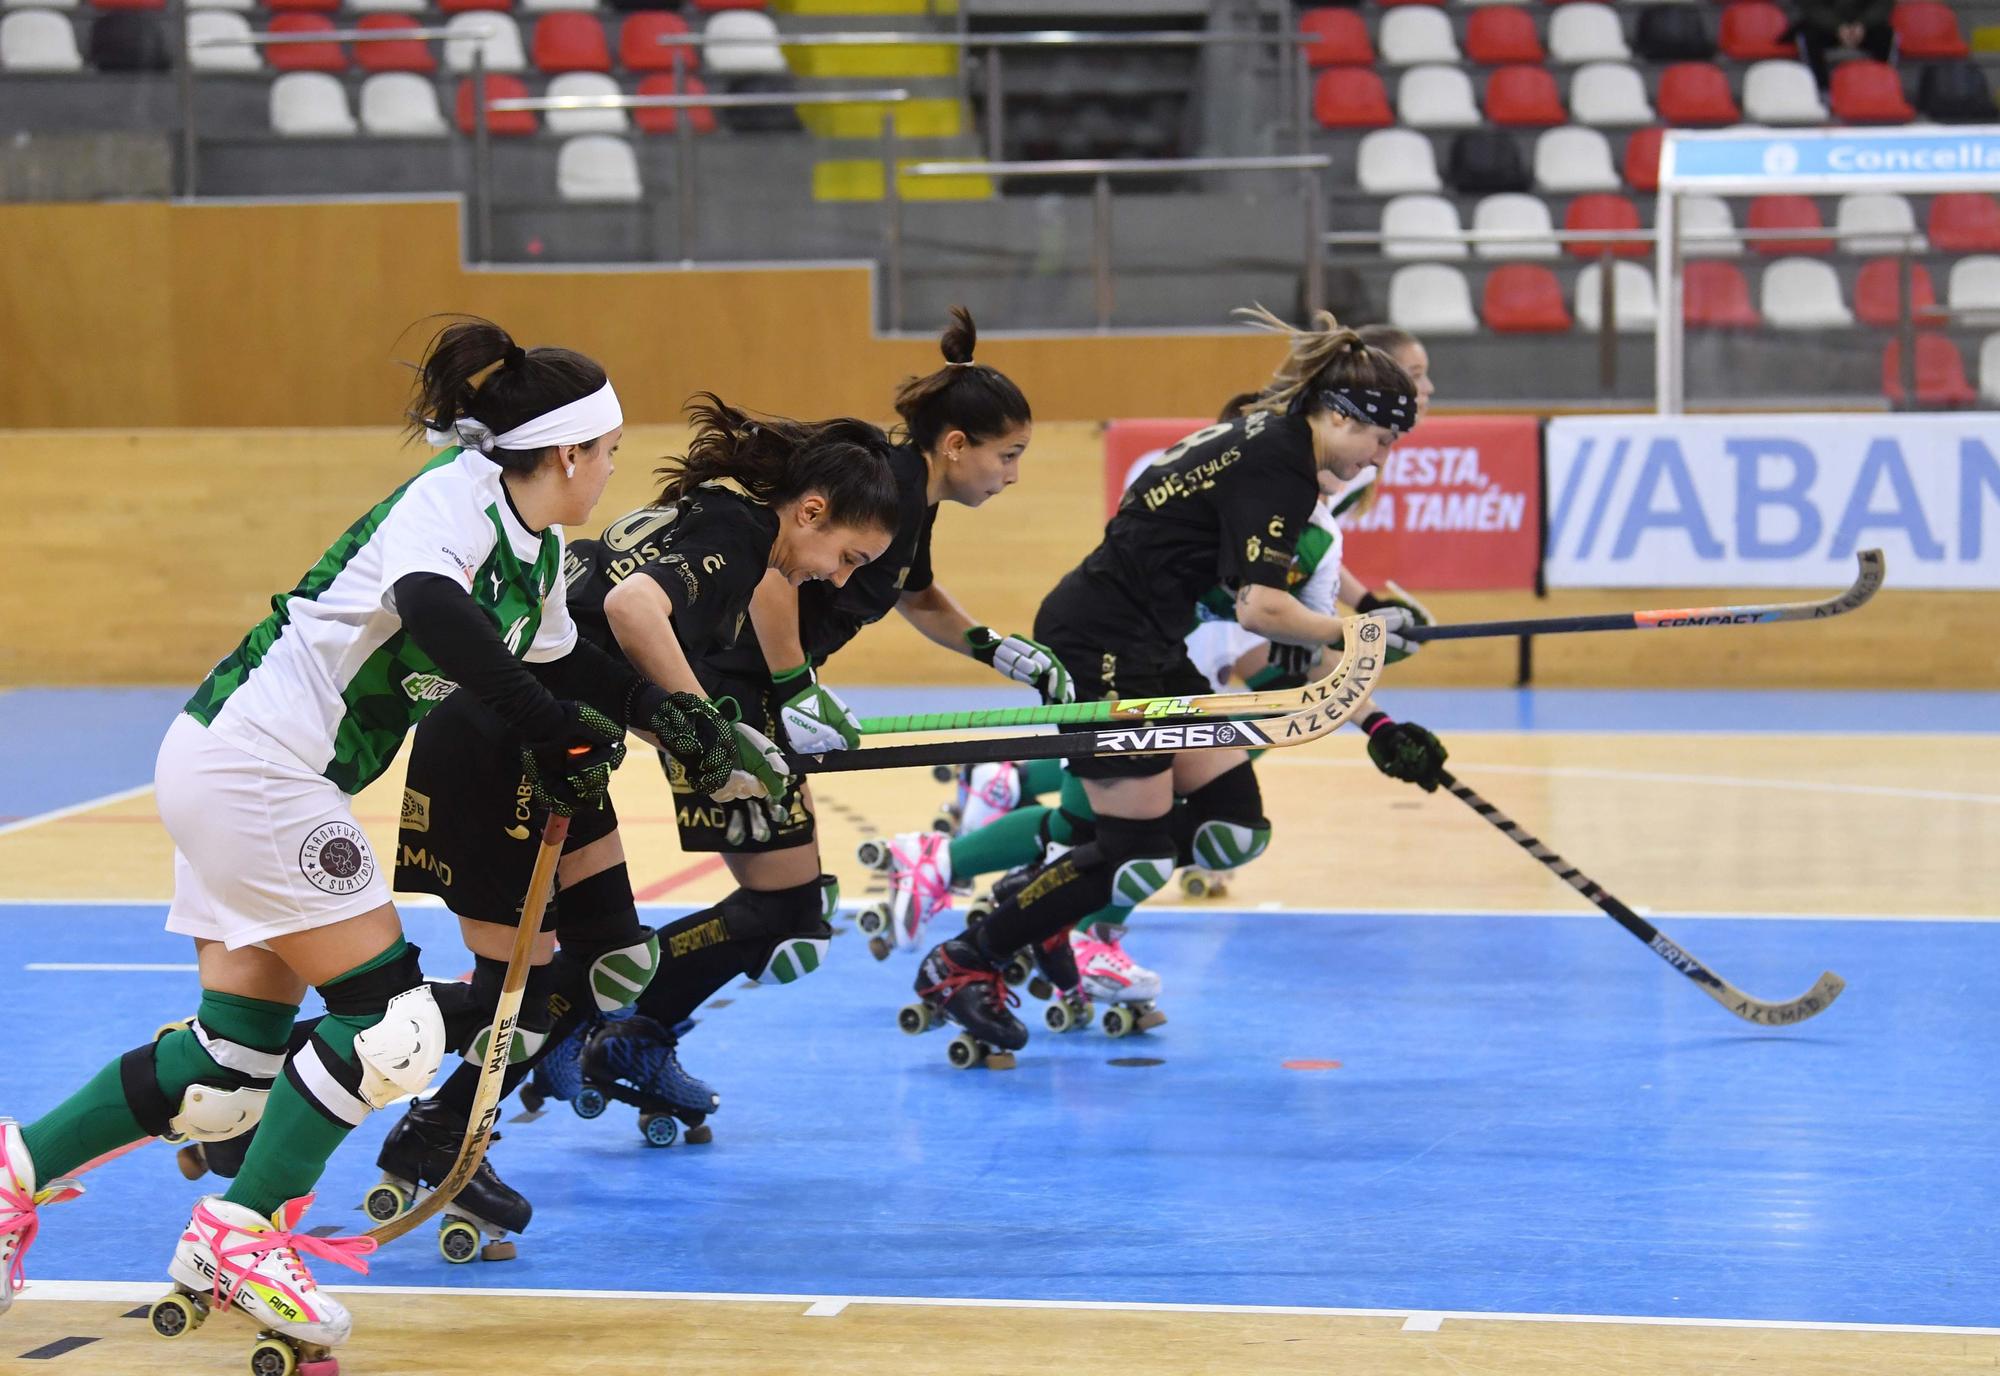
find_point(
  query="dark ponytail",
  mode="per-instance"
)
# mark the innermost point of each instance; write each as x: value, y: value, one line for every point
x: 962, y: 395
x: 777, y: 460
x: 522, y: 384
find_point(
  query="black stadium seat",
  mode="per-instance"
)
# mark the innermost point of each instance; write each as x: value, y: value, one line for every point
x: 1955, y: 93
x: 1486, y: 160
x: 129, y: 41
x: 1673, y: 33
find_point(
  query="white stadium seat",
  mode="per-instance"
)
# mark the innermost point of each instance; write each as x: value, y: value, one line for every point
x: 1780, y: 91
x: 1887, y: 212
x: 585, y: 121
x: 495, y: 36
x: 1989, y: 366
x: 388, y: 6
x: 310, y: 105
x: 1631, y: 298
x: 1587, y: 33
x: 1437, y: 98
x: 1803, y: 294
x: 1432, y: 298
x: 401, y: 105
x: 1421, y: 227
x: 38, y: 41
x: 1513, y: 213
x: 1413, y: 34
x: 1609, y: 95
x: 38, y: 4
x: 1974, y: 284
x: 1391, y: 161
x: 597, y: 167
x: 743, y: 58
x: 214, y: 26
x: 1572, y: 158
x: 1700, y: 215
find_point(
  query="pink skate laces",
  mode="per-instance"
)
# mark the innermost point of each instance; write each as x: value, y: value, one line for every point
x: 342, y: 1251
x: 20, y: 1219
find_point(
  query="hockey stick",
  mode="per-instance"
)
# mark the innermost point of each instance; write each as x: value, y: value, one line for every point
x: 499, y: 1044
x: 1345, y: 693
x: 1867, y: 581
x: 1813, y: 1002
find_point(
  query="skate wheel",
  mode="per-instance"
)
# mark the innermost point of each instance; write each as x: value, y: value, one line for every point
x: 872, y: 920
x: 660, y: 1129
x: 386, y: 1201
x: 1194, y: 884
x: 589, y: 1102
x: 944, y: 773
x: 1057, y: 1017
x: 176, y: 1315
x: 946, y: 820
x: 964, y: 1052
x: 193, y: 1164
x: 978, y: 910
x: 458, y: 1241
x: 1040, y: 988
x: 914, y: 1018
x: 1018, y: 970
x: 698, y: 1135
x: 879, y: 947
x: 274, y: 1357
x: 874, y: 855
x: 497, y: 1251
x: 1117, y: 1022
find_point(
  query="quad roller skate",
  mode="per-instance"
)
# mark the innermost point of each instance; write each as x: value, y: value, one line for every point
x: 955, y: 984
x: 1052, y: 976
x: 559, y: 1074
x: 1200, y: 883
x: 918, y: 864
x: 21, y: 1203
x: 986, y: 793
x: 634, y: 1060
x: 416, y: 1156
x: 1109, y: 976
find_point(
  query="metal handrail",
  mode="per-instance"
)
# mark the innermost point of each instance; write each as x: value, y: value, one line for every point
x: 752, y: 101
x: 1310, y: 166
x: 275, y: 40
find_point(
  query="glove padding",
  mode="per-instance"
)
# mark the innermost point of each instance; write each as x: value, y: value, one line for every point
x: 1024, y: 661
x: 1397, y: 647
x: 1403, y: 750
x: 572, y: 773
x: 1289, y: 666
x: 697, y: 737
x: 759, y: 772
x: 814, y: 718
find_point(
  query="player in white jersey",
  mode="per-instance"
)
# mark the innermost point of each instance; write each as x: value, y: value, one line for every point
x: 450, y: 582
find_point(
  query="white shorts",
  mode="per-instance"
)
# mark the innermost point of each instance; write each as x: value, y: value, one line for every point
x: 260, y: 849
x: 1215, y: 646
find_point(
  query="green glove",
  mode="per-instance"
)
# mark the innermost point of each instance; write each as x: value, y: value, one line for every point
x: 1403, y: 750
x: 572, y: 772
x: 1024, y: 661
x: 812, y: 715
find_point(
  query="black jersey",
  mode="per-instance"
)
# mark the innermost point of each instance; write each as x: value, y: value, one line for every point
x: 707, y: 551
x: 1226, y: 505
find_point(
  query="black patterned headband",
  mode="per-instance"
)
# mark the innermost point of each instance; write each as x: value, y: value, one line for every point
x: 1371, y: 406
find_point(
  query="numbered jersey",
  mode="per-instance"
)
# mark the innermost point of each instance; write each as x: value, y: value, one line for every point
x: 330, y: 680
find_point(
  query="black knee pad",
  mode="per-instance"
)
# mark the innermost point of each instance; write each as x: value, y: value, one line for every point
x: 1221, y: 824
x: 608, y: 955
x: 1138, y: 853
x: 598, y: 913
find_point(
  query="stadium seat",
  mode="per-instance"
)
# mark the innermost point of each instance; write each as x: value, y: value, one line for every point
x: 1513, y: 214
x: 743, y: 56
x: 402, y: 105
x: 129, y: 41
x: 1642, y: 159
x: 545, y: 6
x: 1956, y: 93
x: 597, y: 167
x: 1421, y: 227
x: 1964, y: 222
x: 1888, y: 213
x: 1708, y: 228
x: 1878, y: 294
x: 571, y: 43
x: 1587, y: 33
x: 310, y: 105
x: 39, y: 5
x: 1928, y: 30
x: 1803, y: 294
x: 1431, y: 299
x: 219, y: 26
x: 585, y: 85
x: 1604, y: 210
x: 1436, y: 98
x: 1574, y: 159
x: 1869, y: 93
x: 1941, y: 379
x: 305, y: 57
x: 1523, y: 97
x: 1786, y: 212
x: 400, y: 55
x: 1974, y: 284
x: 123, y: 5
x: 711, y: 5
x: 501, y: 123
x: 1351, y: 98
x: 1780, y: 92
x: 246, y: 6
x: 1486, y: 160
x: 1416, y: 34
x: 1989, y: 367
x: 640, y: 48
x: 1340, y: 38
x: 1635, y: 308
x: 39, y: 41
x: 462, y: 6
x: 385, y: 7
x: 1754, y: 31
x: 1697, y: 93
x: 493, y: 36
x: 1673, y: 33
x: 1496, y: 36
x: 1524, y: 298
x: 1392, y: 161
x: 1714, y: 296
x: 1387, y: 4
x: 665, y: 121
x: 1609, y: 95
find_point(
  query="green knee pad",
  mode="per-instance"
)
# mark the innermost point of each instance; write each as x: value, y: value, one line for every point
x: 1226, y: 845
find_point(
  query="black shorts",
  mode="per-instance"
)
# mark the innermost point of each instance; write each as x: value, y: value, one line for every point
x: 1128, y: 671
x: 470, y: 830
x: 744, y: 827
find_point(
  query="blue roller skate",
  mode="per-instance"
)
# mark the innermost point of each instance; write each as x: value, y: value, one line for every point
x: 635, y: 1060
x: 559, y: 1074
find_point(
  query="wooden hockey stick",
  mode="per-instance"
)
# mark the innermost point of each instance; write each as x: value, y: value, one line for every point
x: 499, y: 1043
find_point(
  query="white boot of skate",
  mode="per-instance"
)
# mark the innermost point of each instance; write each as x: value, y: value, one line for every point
x: 919, y: 883
x: 990, y: 792
x: 1106, y: 972
x: 20, y: 1205
x: 252, y: 1264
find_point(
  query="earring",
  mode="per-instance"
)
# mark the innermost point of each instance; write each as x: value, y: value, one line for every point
x: 569, y: 469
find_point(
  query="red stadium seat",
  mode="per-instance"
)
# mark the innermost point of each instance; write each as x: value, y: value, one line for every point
x: 1524, y: 298
x: 1787, y: 212
x: 640, y: 49
x: 304, y: 57
x: 1714, y: 296
x: 1342, y: 39
x: 1941, y: 379
x: 1697, y: 93
x: 1642, y: 159
x: 1604, y: 210
x: 1754, y: 30
x: 729, y: 4
x: 1500, y: 34
x: 1927, y: 29
x: 323, y: 6
x: 668, y: 121
x: 568, y: 41
x: 505, y: 123
x: 1965, y: 222
x: 1387, y: 3
x: 1869, y: 93
x: 1524, y: 97
x: 404, y: 55
x: 1351, y: 98
x: 129, y: 4
x: 1878, y: 293
x: 458, y: 6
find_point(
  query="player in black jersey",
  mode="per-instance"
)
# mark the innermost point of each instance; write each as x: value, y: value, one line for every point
x: 1225, y: 506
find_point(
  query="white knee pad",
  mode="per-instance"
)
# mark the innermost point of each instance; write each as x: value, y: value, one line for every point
x: 400, y: 1055
x: 209, y: 1114
x: 1225, y: 845
x: 794, y: 958
x: 1138, y: 879
x: 526, y: 1044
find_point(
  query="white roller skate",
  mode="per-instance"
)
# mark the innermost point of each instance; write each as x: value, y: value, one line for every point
x: 235, y: 1258
x: 1109, y: 976
x: 986, y: 793
x: 20, y: 1207
x: 919, y: 889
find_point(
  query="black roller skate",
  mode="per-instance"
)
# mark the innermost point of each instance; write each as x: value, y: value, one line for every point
x: 958, y: 985
x: 223, y: 1158
x: 417, y: 1155
x: 634, y: 1060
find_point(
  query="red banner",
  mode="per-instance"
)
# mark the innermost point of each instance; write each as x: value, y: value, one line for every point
x: 1457, y: 504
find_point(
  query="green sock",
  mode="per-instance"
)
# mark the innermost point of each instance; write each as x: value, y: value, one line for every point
x: 1075, y: 801
x: 96, y: 1118
x: 1041, y: 777
x: 1015, y: 839
x: 296, y: 1139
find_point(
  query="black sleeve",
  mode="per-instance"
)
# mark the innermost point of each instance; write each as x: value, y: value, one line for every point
x: 606, y: 682
x: 1261, y: 513
x: 921, y: 576
x: 708, y: 576
x: 448, y: 626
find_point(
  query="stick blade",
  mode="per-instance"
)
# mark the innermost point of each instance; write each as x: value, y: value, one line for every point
x: 1810, y: 1004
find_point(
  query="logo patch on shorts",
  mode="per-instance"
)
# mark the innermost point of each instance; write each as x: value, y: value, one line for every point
x: 416, y: 811
x: 336, y: 858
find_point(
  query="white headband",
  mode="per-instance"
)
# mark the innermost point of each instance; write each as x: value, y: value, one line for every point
x: 577, y: 422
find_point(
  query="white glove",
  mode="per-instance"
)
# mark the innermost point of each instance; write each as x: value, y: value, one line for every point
x: 1400, y: 612
x: 1024, y: 661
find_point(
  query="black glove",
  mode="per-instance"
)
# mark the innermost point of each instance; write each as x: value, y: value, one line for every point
x: 1403, y: 750
x: 697, y: 736
x: 1287, y: 667
x: 572, y: 772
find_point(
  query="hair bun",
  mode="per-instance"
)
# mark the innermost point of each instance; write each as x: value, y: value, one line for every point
x: 514, y: 357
